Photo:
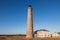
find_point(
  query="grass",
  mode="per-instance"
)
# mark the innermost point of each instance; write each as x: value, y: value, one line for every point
x: 19, y: 37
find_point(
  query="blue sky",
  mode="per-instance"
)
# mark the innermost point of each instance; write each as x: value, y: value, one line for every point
x: 13, y: 15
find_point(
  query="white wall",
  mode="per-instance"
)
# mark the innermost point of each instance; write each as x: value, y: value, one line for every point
x: 55, y: 35
x: 43, y: 34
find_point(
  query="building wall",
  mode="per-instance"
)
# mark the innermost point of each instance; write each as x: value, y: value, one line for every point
x: 35, y: 35
x: 43, y: 34
x: 55, y: 35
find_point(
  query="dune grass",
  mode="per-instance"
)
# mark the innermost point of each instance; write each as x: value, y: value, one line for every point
x: 24, y: 38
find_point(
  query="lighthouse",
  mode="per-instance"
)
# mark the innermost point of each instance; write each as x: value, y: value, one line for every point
x: 29, y: 29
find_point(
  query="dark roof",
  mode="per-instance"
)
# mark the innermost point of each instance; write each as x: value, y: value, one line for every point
x: 59, y: 33
x: 40, y: 30
x: 29, y: 6
x: 35, y: 32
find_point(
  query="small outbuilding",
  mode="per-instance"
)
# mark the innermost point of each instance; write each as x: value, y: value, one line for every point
x: 56, y: 35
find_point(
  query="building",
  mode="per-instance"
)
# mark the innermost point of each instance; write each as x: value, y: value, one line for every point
x: 56, y: 35
x: 42, y: 33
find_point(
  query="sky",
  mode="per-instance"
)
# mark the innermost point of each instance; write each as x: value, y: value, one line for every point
x: 13, y: 15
